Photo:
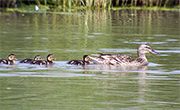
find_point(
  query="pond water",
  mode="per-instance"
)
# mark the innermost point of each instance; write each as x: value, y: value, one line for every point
x: 70, y: 35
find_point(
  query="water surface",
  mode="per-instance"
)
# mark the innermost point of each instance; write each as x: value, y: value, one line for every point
x: 73, y: 34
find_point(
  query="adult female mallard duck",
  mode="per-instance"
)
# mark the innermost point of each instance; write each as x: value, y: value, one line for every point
x: 10, y: 61
x: 85, y: 61
x: 28, y: 60
x: 49, y: 61
x: 123, y: 60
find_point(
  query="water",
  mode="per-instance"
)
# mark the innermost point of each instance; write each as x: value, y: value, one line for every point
x: 70, y: 35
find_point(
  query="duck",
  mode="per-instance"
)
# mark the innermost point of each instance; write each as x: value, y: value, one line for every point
x: 50, y: 58
x: 84, y: 61
x: 124, y: 60
x: 10, y: 61
x: 28, y: 60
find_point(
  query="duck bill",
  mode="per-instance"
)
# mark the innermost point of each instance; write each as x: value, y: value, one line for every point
x: 16, y: 59
x: 154, y: 52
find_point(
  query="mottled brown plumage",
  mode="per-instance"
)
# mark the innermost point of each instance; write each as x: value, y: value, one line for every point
x: 124, y: 60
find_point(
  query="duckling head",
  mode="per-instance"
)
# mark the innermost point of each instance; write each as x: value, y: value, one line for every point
x: 12, y: 57
x: 86, y: 58
x: 144, y: 49
x: 37, y: 57
x: 50, y: 57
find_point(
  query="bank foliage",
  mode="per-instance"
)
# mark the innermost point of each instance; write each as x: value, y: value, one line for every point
x: 92, y: 3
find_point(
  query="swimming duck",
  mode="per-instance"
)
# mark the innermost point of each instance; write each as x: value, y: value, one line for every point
x: 28, y: 60
x: 50, y: 58
x: 124, y: 60
x: 85, y: 61
x: 49, y: 61
x: 10, y: 60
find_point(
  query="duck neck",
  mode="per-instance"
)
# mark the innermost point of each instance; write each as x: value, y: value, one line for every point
x: 11, y: 62
x: 84, y: 60
x: 142, y: 56
x: 142, y: 59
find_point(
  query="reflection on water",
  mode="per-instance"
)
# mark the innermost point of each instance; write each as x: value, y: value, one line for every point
x: 70, y: 36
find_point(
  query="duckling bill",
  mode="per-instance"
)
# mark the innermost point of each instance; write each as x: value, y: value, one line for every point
x: 85, y: 61
x: 10, y: 61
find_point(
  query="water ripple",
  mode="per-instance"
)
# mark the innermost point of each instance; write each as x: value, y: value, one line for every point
x: 144, y: 42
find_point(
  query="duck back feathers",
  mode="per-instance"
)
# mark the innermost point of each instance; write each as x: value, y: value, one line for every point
x: 124, y: 60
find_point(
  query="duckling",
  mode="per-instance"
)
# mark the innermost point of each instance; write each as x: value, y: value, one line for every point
x: 85, y: 61
x: 10, y: 60
x: 124, y: 60
x: 28, y: 60
x: 50, y: 58
x: 49, y: 61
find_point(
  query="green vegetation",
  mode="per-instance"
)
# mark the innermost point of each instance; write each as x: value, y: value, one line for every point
x: 93, y: 3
